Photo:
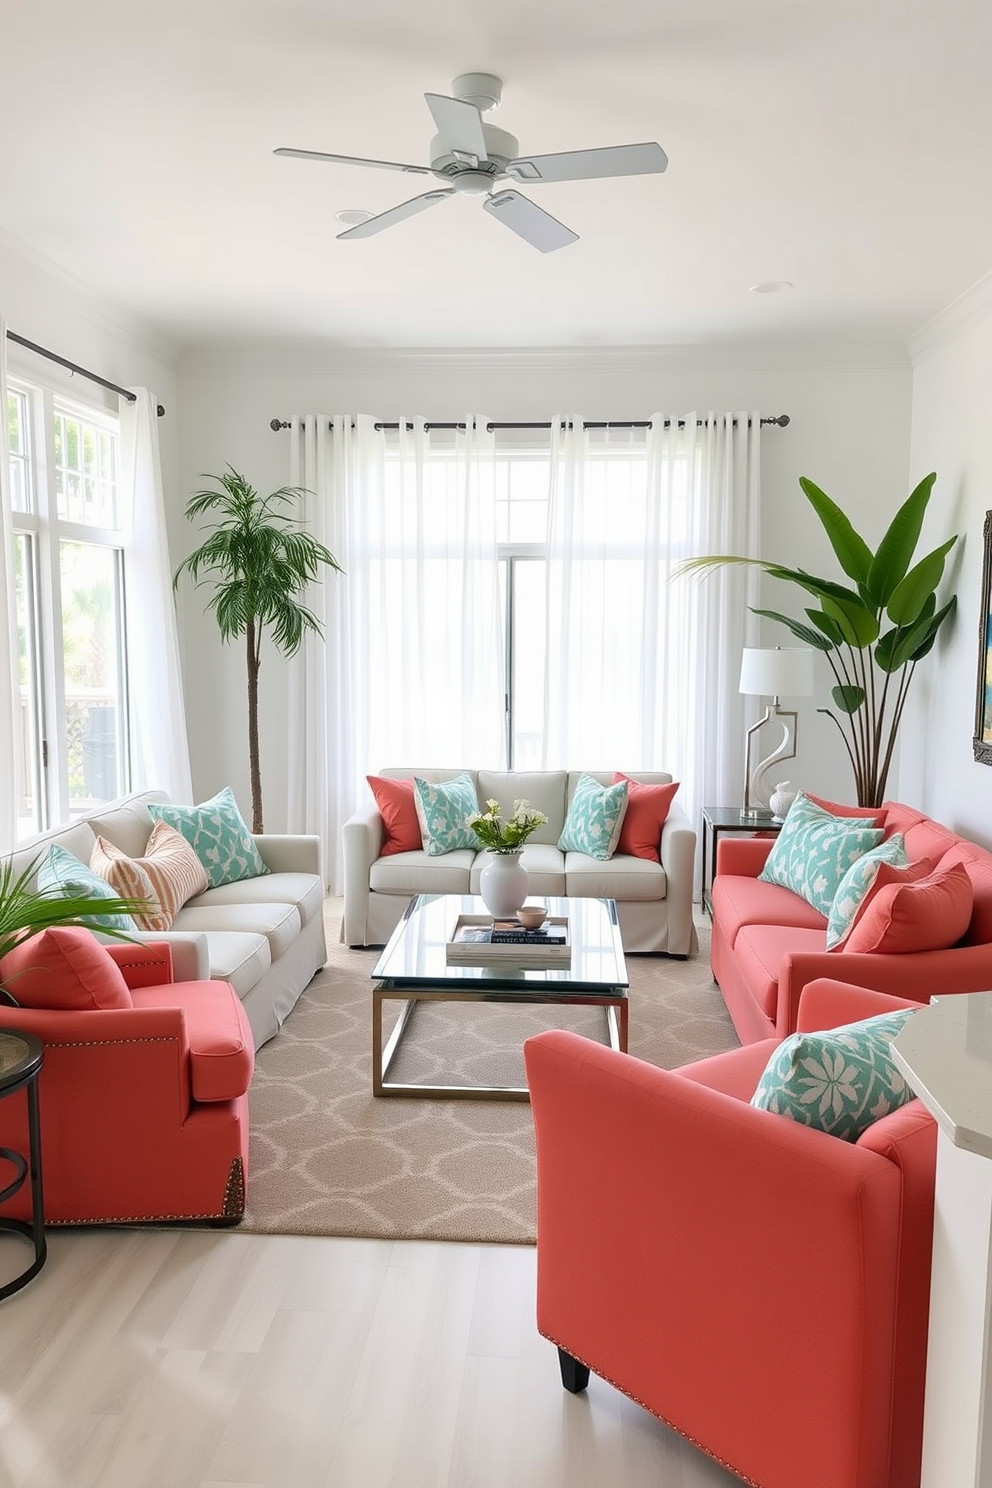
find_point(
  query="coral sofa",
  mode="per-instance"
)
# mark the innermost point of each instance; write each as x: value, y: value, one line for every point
x: 654, y: 899
x: 264, y: 935
x: 760, y: 1286
x: 768, y: 942
x: 143, y: 1088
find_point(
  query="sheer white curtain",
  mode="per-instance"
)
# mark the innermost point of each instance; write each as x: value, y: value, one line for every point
x: 11, y: 764
x: 642, y: 669
x: 157, y: 715
x: 411, y: 668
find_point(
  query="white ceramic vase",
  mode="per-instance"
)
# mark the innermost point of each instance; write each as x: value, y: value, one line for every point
x: 504, y: 884
x: 781, y: 799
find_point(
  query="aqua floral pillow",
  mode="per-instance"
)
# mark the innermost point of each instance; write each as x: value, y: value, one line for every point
x: 62, y: 870
x: 443, y: 811
x: 856, y: 884
x: 814, y: 850
x: 841, y: 1081
x: 595, y: 816
x: 218, y: 834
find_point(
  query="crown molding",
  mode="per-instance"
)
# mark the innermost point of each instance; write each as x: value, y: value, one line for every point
x: 969, y: 309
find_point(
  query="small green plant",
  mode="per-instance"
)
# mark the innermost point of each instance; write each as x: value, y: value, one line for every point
x: 509, y: 835
x: 872, y: 634
x: 259, y: 561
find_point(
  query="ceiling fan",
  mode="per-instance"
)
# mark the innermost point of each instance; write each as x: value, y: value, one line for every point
x: 471, y: 157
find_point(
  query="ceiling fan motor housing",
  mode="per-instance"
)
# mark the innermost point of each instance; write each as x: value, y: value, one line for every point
x: 501, y: 148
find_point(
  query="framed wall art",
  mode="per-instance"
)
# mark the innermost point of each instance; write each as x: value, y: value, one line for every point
x: 983, y: 701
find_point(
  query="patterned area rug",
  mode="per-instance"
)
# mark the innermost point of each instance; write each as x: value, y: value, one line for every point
x: 326, y: 1158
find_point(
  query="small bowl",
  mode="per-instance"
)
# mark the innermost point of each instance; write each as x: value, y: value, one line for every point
x: 532, y: 916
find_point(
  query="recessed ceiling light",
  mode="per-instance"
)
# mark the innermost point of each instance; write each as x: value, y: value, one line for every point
x: 351, y: 218
x: 771, y: 286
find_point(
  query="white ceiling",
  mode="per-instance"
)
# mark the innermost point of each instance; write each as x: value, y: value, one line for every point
x: 840, y: 144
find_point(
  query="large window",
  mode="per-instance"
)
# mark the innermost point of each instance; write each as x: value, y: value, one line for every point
x: 69, y: 604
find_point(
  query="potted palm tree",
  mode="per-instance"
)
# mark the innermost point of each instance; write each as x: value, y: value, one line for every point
x: 872, y: 631
x: 259, y: 560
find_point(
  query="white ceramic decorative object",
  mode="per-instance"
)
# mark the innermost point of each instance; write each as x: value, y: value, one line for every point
x: 781, y: 799
x: 503, y: 884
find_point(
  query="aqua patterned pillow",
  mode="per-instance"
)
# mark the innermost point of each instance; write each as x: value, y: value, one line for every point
x: 595, y: 816
x: 218, y: 834
x: 814, y: 850
x: 856, y: 883
x: 443, y: 811
x: 839, y: 1082
x: 61, y: 869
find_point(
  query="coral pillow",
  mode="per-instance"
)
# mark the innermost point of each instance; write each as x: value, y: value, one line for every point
x: 647, y: 809
x: 927, y: 915
x: 169, y: 873
x: 872, y: 816
x: 64, y: 968
x: 398, y: 810
x: 885, y: 874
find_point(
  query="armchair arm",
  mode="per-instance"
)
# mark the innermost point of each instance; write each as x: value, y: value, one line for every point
x: 828, y: 1003
x: 680, y: 1230
x: 289, y: 853
x: 677, y: 850
x: 148, y: 964
x: 362, y: 837
x: 917, y: 977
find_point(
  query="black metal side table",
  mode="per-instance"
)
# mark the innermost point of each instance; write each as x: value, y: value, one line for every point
x: 20, y: 1065
x: 721, y: 820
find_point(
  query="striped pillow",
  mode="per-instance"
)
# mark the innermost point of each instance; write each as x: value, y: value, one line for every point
x: 169, y: 873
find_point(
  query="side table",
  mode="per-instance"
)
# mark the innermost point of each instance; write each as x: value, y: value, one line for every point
x: 726, y: 820
x: 20, y: 1065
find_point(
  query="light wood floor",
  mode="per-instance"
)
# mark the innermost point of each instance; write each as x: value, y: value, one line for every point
x: 163, y: 1359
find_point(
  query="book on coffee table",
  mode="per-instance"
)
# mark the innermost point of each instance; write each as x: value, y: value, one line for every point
x: 478, y: 940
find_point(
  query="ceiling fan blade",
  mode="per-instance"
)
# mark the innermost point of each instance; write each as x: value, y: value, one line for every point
x: 586, y: 165
x: 459, y: 124
x: 528, y: 221
x: 397, y: 214
x: 417, y: 170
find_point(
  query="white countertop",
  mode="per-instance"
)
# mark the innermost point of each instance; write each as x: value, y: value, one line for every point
x: 945, y: 1052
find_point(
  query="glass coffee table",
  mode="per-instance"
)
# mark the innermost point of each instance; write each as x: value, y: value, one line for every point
x: 413, y: 968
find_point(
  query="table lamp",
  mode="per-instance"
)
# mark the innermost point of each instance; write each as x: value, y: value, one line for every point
x: 774, y: 672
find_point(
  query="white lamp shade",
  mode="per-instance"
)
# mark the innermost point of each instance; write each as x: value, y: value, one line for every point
x: 776, y: 671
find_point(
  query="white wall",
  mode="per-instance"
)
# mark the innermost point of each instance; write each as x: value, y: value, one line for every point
x: 952, y: 392
x: 850, y: 411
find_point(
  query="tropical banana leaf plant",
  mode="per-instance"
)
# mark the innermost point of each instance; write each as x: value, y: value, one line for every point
x: 872, y: 631
x: 26, y: 910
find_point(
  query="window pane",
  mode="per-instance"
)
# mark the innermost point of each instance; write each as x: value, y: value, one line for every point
x: 92, y: 650
x: 527, y: 653
x: 17, y: 435
x: 29, y: 794
x: 85, y: 471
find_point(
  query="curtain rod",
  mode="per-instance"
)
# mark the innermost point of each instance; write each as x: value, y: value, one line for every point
x: 781, y: 420
x: 73, y: 367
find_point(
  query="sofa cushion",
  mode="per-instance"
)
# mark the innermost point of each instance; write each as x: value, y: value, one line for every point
x: 398, y: 809
x: 646, y: 814
x: 64, y: 967
x: 221, y: 1047
x: 760, y: 949
x: 594, y: 818
x: 839, y: 1081
x: 128, y: 824
x: 857, y: 883
x: 62, y: 871
x: 928, y: 915
x: 419, y: 873
x: 740, y: 900
x: 218, y: 834
x: 241, y: 958
x: 167, y: 874
x: 305, y: 890
x: 623, y: 878
x: 544, y: 789
x: 814, y: 850
x: 279, y: 923
x: 443, y: 810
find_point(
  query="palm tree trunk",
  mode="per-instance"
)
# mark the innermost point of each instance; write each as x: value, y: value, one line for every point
x: 253, y: 762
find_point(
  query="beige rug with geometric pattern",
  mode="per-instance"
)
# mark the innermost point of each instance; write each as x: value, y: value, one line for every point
x: 327, y: 1158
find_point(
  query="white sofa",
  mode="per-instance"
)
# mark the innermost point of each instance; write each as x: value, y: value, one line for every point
x: 263, y: 935
x: 654, y: 901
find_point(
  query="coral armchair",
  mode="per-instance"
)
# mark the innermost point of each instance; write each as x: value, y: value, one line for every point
x: 760, y: 1286
x: 144, y: 1111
